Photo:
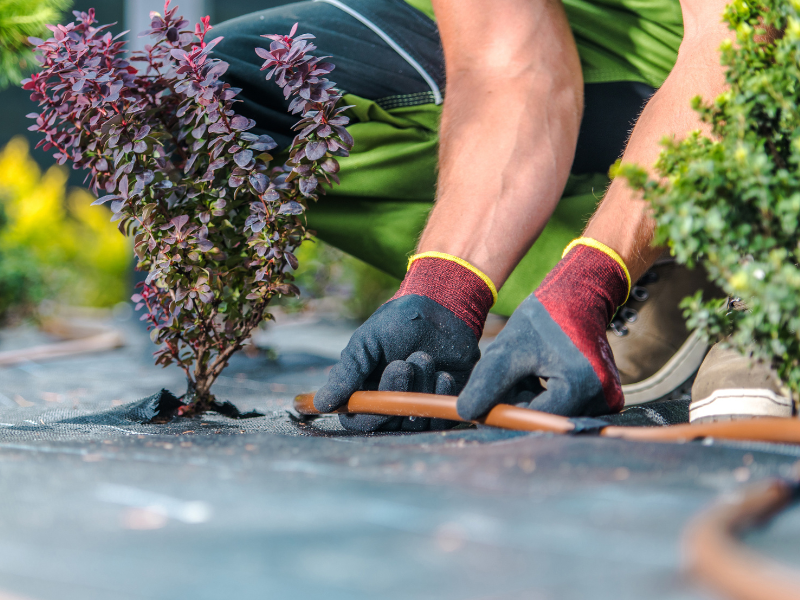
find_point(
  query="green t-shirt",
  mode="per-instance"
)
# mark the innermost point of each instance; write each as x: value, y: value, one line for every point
x: 619, y: 40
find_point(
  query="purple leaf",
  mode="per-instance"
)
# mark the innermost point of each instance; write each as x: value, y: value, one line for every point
x: 104, y: 199
x: 344, y: 135
x: 179, y: 221
x: 307, y: 131
x: 143, y: 131
x: 330, y: 165
x: 210, y: 45
x: 217, y: 70
x: 187, y: 168
x: 235, y: 181
x: 239, y: 122
x: 259, y: 182
x: 308, y: 185
x: 243, y: 157
x: 316, y: 150
x: 217, y: 164
x: 123, y: 186
x: 291, y: 208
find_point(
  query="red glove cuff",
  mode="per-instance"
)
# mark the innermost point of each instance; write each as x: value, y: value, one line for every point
x: 457, y: 287
x: 585, y: 281
x: 582, y: 294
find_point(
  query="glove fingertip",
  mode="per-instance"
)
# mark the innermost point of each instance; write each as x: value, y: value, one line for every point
x: 398, y: 376
x: 488, y: 384
x: 445, y: 384
x: 469, y: 407
x: 328, y: 399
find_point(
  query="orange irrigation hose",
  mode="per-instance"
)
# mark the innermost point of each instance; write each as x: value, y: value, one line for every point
x: 714, y: 554
x: 412, y: 404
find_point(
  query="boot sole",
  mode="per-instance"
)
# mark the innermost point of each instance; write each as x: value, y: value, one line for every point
x: 675, y: 372
x: 738, y: 403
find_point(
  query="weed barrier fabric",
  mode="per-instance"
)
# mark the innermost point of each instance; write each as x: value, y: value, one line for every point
x: 214, y: 507
x: 154, y: 415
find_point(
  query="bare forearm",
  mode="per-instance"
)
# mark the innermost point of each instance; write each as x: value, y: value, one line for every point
x: 509, y: 127
x: 623, y: 220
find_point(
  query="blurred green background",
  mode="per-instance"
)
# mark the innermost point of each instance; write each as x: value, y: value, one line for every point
x: 53, y: 246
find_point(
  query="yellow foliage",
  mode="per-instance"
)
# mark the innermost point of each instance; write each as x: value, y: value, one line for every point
x: 84, y: 257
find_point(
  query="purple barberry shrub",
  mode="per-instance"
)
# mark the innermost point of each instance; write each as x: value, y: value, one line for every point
x: 213, y: 223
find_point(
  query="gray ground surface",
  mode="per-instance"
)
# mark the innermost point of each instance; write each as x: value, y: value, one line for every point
x: 96, y: 507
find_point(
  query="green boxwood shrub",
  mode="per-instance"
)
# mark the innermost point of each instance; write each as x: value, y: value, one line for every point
x: 731, y: 201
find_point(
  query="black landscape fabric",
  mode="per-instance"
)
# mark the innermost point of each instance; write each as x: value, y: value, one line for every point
x: 215, y: 507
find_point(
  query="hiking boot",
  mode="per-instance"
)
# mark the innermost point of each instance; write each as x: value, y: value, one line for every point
x: 732, y: 386
x: 655, y: 353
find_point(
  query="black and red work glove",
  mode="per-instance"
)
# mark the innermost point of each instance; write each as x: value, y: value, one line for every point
x: 557, y: 337
x: 425, y: 339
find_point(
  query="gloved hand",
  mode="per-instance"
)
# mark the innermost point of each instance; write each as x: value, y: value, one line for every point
x: 557, y: 334
x: 417, y: 374
x: 425, y: 339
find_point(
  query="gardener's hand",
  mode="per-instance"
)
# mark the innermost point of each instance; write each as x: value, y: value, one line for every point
x: 417, y: 374
x: 557, y: 334
x: 425, y: 339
